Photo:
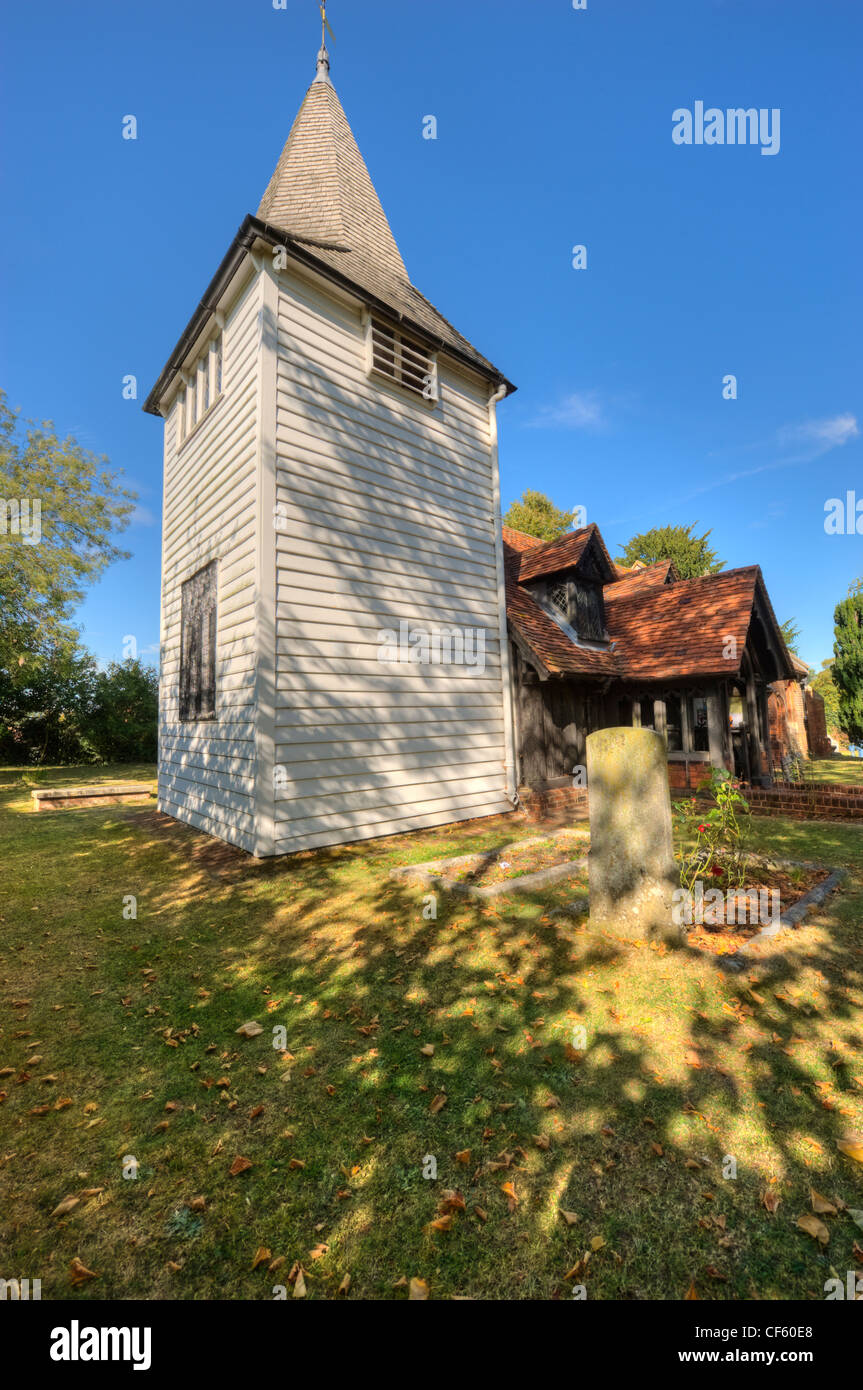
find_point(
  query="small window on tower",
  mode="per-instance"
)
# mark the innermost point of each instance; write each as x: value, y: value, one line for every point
x: 198, y: 645
x: 402, y: 359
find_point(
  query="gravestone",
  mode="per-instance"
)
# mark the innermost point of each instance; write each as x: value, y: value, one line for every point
x: 631, y: 867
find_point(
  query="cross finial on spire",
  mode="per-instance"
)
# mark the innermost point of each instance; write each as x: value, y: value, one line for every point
x: 323, y: 71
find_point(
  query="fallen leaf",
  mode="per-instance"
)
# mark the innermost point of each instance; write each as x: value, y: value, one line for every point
x: 252, y: 1029
x: 239, y: 1165
x: 820, y: 1204
x: 299, y: 1285
x: 79, y: 1273
x: 770, y: 1201
x: 463, y: 1157
x: 419, y: 1290
x: 427, y: 1050
x: 438, y: 1104
x: 344, y: 1285
x: 813, y: 1227
x: 597, y: 1243
x: 570, y: 1217
x: 451, y: 1200
x: 852, y: 1145
x: 262, y: 1256
x: 690, y: 1294
x: 65, y: 1206
x: 442, y: 1223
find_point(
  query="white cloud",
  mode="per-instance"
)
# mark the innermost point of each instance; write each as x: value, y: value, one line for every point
x: 820, y: 435
x: 142, y: 516
x: 579, y: 411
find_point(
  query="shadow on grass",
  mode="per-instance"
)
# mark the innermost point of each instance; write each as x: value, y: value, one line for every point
x: 683, y: 1066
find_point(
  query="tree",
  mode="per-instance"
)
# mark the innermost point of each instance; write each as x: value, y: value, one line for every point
x: 59, y: 508
x: 691, y: 554
x: 63, y: 709
x: 847, y: 668
x: 791, y: 634
x: 537, y: 515
x: 122, y: 721
x: 44, y: 707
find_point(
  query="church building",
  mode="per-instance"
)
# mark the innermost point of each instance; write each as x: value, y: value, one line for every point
x: 334, y: 662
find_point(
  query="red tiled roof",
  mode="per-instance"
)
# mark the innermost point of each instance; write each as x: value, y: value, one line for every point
x: 519, y: 540
x: 669, y: 631
x: 649, y: 576
x: 562, y: 554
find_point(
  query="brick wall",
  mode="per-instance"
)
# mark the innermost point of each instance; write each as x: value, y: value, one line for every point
x: 798, y: 801
x: 806, y: 801
x: 816, y: 717
x: 686, y: 776
x: 553, y: 802
x: 786, y: 715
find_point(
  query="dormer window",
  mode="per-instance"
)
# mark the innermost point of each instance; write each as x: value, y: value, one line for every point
x: 402, y: 359
x: 588, y: 611
x: 579, y: 605
x: 559, y: 598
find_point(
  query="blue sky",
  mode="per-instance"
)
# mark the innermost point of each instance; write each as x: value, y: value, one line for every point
x: 554, y: 129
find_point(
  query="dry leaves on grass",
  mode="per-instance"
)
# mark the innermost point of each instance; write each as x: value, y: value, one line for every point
x: 239, y: 1165
x: 79, y: 1273
x: 813, y: 1227
x: 852, y: 1145
x: 821, y: 1205
x: 418, y: 1291
x: 252, y: 1029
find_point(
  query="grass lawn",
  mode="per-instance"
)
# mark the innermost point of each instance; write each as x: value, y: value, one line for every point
x: 844, y: 771
x: 126, y: 1031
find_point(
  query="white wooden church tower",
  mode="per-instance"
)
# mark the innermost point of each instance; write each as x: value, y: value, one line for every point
x: 333, y: 654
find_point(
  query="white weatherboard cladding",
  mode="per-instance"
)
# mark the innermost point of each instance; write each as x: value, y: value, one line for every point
x: 385, y: 514
x: 207, y: 770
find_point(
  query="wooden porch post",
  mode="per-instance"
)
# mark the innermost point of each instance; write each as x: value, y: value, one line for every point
x: 714, y: 729
x: 756, y: 751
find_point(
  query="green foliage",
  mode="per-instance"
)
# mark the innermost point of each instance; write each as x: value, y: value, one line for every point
x: 719, y: 834
x: 691, y: 554
x: 824, y: 685
x: 791, y: 635
x: 44, y: 705
x: 847, y: 669
x: 122, y: 720
x: 63, y: 709
x: 43, y: 577
x: 537, y: 515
